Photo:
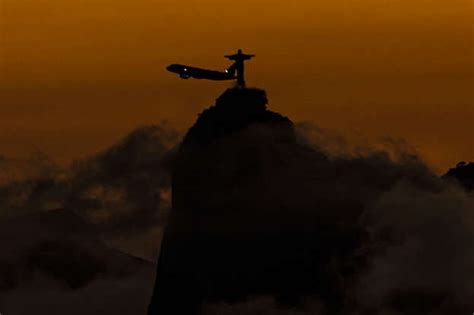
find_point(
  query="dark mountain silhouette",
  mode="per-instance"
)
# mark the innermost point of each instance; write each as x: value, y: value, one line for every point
x: 463, y: 173
x: 60, y: 245
x: 54, y: 262
x: 257, y: 212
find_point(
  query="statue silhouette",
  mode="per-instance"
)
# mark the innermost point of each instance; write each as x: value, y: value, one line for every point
x: 238, y: 66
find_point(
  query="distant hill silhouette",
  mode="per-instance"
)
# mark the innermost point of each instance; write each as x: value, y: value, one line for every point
x: 55, y: 263
x: 61, y: 245
x: 464, y: 173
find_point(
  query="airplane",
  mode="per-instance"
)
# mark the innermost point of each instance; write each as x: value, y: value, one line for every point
x: 186, y: 72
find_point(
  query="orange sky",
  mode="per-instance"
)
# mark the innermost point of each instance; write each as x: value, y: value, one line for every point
x: 76, y: 75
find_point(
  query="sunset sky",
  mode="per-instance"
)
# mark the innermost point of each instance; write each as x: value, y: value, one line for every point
x: 76, y: 75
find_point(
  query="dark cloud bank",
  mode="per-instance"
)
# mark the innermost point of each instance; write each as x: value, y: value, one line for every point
x: 268, y: 218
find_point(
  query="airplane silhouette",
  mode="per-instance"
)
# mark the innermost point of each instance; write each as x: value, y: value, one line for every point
x: 234, y: 72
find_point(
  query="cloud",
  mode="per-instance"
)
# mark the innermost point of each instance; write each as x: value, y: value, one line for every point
x: 121, y: 187
x: 423, y: 252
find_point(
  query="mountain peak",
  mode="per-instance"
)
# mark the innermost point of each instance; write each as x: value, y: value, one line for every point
x: 234, y: 110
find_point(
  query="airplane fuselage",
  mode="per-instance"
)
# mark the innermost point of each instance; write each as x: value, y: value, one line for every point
x: 186, y: 72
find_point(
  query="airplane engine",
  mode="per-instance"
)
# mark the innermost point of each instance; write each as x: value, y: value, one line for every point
x: 184, y: 76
